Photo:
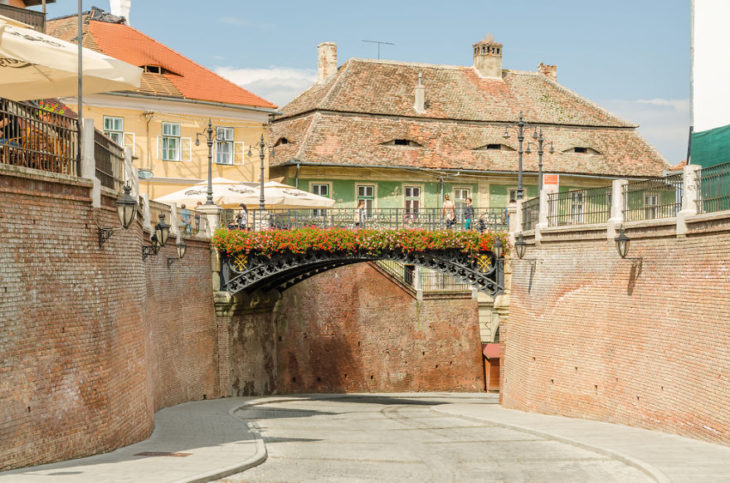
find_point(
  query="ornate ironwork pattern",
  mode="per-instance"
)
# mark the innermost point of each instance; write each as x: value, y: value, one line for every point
x: 284, y: 270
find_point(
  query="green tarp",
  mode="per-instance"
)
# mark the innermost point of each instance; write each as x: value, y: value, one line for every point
x: 711, y: 147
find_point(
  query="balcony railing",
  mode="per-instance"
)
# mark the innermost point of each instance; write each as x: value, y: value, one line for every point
x: 490, y: 219
x: 530, y: 213
x: 579, y: 207
x: 427, y: 280
x: 653, y: 198
x: 35, y: 19
x: 713, y: 188
x: 109, y: 158
x: 36, y: 138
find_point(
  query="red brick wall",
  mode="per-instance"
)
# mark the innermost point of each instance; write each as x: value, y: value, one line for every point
x: 353, y: 330
x: 642, y: 342
x: 92, y: 340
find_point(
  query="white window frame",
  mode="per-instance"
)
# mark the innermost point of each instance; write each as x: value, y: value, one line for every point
x: 458, y: 204
x: 651, y: 211
x: 166, y: 138
x: 115, y: 132
x: 577, y: 206
x: 328, y: 184
x: 226, y: 141
x: 129, y: 141
x: 421, y: 190
x: 374, y: 205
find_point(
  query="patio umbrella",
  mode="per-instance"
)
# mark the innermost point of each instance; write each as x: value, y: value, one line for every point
x: 230, y: 195
x: 34, y: 65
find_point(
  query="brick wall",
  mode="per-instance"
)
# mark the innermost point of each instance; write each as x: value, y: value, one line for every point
x: 353, y: 330
x: 641, y: 341
x: 92, y: 340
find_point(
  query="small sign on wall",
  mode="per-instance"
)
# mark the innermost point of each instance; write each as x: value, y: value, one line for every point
x: 550, y: 179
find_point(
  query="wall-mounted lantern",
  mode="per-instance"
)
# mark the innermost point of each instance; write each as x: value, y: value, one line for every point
x: 498, y: 248
x: 520, y: 246
x: 162, y: 231
x: 622, y: 243
x: 181, y: 248
x: 152, y: 249
x: 127, y: 212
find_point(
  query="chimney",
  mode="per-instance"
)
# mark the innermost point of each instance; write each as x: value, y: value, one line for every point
x: 550, y: 71
x: 120, y: 8
x: 488, y: 57
x: 327, y: 60
x: 420, y: 104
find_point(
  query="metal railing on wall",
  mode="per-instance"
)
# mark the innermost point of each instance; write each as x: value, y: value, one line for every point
x: 35, y: 19
x: 490, y: 219
x: 713, y: 188
x: 39, y: 139
x: 109, y: 159
x: 530, y: 213
x: 653, y: 198
x: 579, y: 207
x: 427, y: 280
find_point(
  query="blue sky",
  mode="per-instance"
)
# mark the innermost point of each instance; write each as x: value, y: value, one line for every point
x: 630, y: 56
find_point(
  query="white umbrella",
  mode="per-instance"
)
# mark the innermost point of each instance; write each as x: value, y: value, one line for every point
x: 230, y: 195
x: 34, y: 65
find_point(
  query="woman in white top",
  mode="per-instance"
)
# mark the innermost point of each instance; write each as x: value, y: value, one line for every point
x: 360, y: 214
x: 448, y: 210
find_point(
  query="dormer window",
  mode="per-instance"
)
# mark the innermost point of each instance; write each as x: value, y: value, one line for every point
x: 281, y: 141
x: 156, y: 69
x: 494, y: 147
x: 581, y: 150
x: 403, y: 142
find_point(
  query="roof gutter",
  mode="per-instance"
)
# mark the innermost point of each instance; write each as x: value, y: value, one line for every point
x: 439, y: 172
x: 194, y: 101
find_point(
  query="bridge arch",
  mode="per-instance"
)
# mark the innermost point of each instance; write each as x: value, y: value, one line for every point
x: 250, y: 272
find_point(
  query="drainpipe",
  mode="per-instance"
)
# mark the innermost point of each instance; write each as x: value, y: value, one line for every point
x: 296, y: 178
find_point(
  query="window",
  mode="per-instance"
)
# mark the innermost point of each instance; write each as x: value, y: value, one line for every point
x: 512, y: 195
x: 170, y: 141
x: 413, y: 201
x: 494, y: 146
x: 651, y: 206
x: 321, y: 190
x: 460, y: 196
x: 224, y: 145
x: 114, y: 129
x: 581, y: 150
x: 576, y: 207
x: 367, y: 193
x: 403, y: 142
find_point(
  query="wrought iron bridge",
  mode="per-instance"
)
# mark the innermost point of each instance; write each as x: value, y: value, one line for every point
x: 284, y: 269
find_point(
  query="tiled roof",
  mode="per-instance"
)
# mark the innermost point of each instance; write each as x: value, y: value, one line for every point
x: 184, y: 79
x: 452, y: 92
x: 356, y: 140
x: 347, y: 119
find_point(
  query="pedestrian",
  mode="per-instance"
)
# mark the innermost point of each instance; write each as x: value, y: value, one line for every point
x: 360, y: 213
x: 186, y: 221
x: 468, y: 214
x: 196, y: 217
x: 242, y: 217
x: 448, y: 210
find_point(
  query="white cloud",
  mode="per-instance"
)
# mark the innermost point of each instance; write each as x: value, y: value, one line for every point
x: 662, y: 122
x: 234, y: 21
x: 276, y: 84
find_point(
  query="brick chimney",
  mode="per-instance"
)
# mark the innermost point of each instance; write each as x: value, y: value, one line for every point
x: 420, y: 103
x: 488, y: 57
x: 327, y: 60
x: 120, y: 8
x: 548, y: 71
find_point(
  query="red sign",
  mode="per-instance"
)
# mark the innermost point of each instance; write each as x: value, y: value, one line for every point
x: 550, y: 179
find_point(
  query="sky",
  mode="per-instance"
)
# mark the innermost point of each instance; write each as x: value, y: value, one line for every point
x: 629, y: 56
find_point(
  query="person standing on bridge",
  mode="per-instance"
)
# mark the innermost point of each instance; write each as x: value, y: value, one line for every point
x: 360, y: 214
x: 242, y: 217
x: 448, y: 210
x: 468, y: 214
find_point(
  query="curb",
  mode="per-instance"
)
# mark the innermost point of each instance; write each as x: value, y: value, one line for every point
x: 645, y: 468
x: 255, y: 460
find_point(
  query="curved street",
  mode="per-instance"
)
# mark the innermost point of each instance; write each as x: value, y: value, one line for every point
x: 381, y: 438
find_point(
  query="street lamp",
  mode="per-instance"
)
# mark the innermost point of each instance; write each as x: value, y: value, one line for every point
x: 622, y: 243
x: 162, y: 231
x: 262, y: 154
x: 520, y: 246
x: 181, y: 248
x: 520, y: 137
x: 208, y: 133
x: 126, y: 211
x: 540, y: 151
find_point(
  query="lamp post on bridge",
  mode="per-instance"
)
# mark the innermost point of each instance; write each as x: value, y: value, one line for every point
x: 262, y: 155
x: 520, y: 138
x: 208, y: 133
x: 540, y: 151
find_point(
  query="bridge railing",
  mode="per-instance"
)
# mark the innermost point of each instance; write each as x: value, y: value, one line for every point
x: 713, y: 188
x: 653, y: 198
x: 488, y: 219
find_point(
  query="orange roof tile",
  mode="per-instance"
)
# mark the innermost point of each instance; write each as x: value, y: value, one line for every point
x: 185, y: 78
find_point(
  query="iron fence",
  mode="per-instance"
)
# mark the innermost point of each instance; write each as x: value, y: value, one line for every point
x: 35, y: 19
x: 654, y: 198
x: 490, y: 219
x: 713, y: 188
x: 579, y: 207
x: 109, y: 159
x: 530, y: 213
x: 427, y: 280
x: 36, y: 138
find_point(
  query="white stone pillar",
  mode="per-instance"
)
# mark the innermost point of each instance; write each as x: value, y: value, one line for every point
x: 174, y: 224
x: 515, y: 221
x: 689, y: 197
x: 418, y: 283
x: 617, y: 208
x: 543, y: 221
x: 146, y: 217
x: 212, y: 215
x: 130, y: 176
x: 88, y: 162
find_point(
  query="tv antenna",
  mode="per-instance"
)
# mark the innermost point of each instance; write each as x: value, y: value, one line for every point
x: 379, y: 42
